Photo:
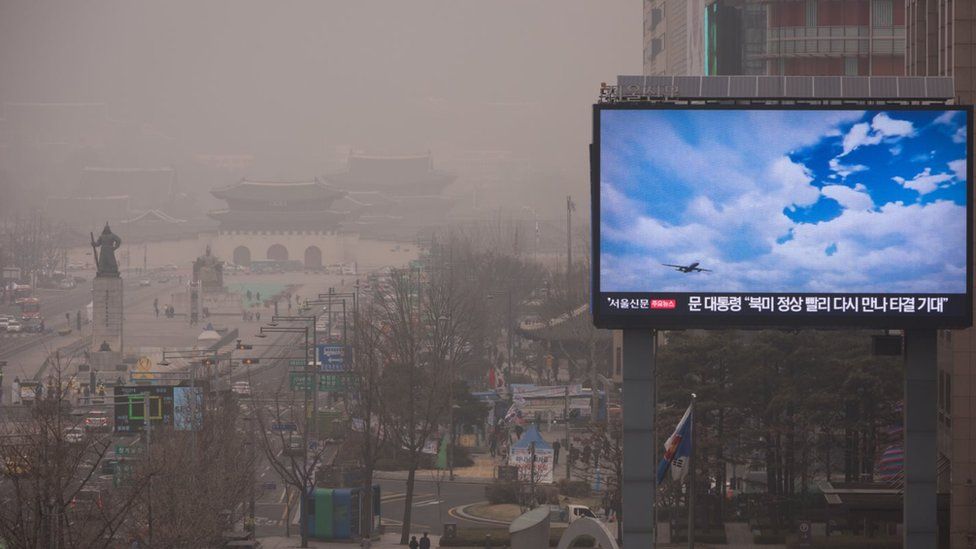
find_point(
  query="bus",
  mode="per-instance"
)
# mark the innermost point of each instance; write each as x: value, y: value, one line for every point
x: 30, y: 309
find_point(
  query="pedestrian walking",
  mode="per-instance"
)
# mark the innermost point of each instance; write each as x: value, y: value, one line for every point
x: 555, y: 452
x: 414, y: 544
x: 258, y: 316
x: 425, y: 542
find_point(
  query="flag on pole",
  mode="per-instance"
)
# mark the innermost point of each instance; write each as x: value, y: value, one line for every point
x: 677, y: 450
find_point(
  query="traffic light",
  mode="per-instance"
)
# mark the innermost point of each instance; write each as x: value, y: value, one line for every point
x: 249, y: 361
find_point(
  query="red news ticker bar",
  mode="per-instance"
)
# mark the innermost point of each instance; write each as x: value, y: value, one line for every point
x: 663, y: 303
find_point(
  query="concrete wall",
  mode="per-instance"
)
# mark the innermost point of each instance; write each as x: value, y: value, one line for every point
x: 335, y: 248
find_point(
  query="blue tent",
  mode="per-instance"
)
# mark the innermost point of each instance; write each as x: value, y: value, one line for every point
x: 531, y: 435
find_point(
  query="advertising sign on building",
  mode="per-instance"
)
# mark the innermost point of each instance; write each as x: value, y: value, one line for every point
x: 715, y: 216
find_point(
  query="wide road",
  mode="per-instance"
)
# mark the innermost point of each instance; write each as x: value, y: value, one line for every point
x: 430, y: 511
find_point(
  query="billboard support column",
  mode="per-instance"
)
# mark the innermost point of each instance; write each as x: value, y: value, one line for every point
x: 919, y: 510
x: 639, y: 406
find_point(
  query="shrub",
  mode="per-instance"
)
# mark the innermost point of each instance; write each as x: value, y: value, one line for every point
x: 574, y: 488
x: 502, y: 492
x: 769, y: 539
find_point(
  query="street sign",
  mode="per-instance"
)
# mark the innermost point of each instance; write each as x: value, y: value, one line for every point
x: 122, y: 450
x: 284, y: 427
x: 328, y: 383
x: 332, y: 358
x: 269, y: 486
x: 296, y: 363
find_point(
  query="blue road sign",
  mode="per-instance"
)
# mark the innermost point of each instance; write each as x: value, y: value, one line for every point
x: 332, y: 358
x: 284, y: 427
x: 269, y: 486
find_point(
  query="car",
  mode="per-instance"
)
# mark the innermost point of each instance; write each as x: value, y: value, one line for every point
x: 109, y: 466
x: 66, y: 283
x: 14, y: 326
x: 242, y: 388
x: 294, y: 447
x: 74, y: 435
x: 4, y: 322
x: 97, y: 420
x: 145, y: 282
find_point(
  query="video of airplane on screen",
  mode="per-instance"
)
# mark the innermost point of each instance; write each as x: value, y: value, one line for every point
x: 799, y: 201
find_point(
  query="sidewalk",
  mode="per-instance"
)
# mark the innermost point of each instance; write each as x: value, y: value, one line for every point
x: 386, y: 542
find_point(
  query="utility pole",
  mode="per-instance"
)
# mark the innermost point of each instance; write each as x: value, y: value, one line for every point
x: 569, y: 236
x: 569, y: 442
x: 691, y: 478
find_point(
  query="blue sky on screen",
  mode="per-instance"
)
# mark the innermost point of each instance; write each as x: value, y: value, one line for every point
x: 783, y: 201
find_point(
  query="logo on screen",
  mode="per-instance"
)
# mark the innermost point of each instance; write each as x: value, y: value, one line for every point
x: 663, y: 303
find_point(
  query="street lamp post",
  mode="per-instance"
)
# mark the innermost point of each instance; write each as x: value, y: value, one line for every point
x: 312, y: 384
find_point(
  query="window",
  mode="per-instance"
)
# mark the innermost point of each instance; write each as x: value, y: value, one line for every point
x: 850, y: 66
x: 657, y: 46
x: 882, y: 13
x: 657, y: 15
x: 811, y: 13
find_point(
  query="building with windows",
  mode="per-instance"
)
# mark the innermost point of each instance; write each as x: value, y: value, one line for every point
x: 941, y: 41
x: 774, y: 37
x: 835, y: 38
x: 279, y: 221
x: 674, y: 37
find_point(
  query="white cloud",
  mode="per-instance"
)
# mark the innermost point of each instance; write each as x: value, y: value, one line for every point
x: 794, y: 180
x: 849, y: 198
x: 844, y: 170
x: 924, y: 182
x: 946, y: 117
x: 859, y: 136
x: 896, y: 150
x: 881, y: 128
x: 959, y: 168
x: 889, y: 127
x: 959, y: 136
x: 737, y: 206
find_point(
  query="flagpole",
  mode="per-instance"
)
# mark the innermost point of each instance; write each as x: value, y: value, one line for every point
x: 691, y: 476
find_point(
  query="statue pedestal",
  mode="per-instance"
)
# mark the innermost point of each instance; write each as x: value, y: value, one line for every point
x: 107, y: 316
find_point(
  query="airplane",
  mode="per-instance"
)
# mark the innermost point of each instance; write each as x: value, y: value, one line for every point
x: 693, y: 268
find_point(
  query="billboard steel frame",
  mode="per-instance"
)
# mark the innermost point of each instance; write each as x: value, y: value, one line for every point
x: 920, y: 525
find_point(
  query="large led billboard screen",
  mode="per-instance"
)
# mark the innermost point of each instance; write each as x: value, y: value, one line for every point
x: 709, y: 216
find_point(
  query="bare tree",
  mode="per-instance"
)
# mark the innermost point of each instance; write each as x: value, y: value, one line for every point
x: 366, y: 407
x: 426, y: 323
x: 286, y: 450
x: 49, y: 462
x: 196, y: 481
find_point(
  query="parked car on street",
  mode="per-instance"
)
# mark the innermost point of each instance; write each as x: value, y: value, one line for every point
x: 294, y: 446
x: 14, y: 327
x: 145, y: 282
x: 97, y: 420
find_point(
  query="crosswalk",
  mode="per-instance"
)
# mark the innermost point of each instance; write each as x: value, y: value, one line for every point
x: 419, y: 500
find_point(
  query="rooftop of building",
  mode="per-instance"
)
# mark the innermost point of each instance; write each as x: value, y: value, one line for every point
x: 268, y: 191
